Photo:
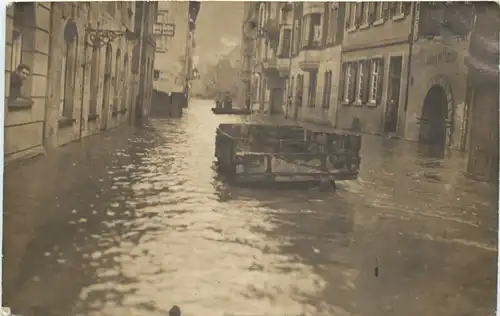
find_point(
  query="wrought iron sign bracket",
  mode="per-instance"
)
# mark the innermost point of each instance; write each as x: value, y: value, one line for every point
x: 99, y: 38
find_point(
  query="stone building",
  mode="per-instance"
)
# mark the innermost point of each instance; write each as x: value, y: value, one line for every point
x: 27, y: 37
x: 144, y: 56
x: 298, y: 59
x: 173, y: 68
x: 483, y: 93
x: 403, y: 70
x: 80, y: 55
x: 250, y: 15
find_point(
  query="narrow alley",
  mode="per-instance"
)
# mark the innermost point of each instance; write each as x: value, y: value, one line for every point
x: 132, y: 221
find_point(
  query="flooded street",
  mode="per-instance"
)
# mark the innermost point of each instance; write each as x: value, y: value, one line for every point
x: 134, y: 221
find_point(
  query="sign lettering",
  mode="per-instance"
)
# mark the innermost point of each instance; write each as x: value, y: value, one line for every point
x: 442, y: 57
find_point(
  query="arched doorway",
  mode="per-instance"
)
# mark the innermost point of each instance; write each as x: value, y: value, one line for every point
x: 434, y: 117
x: 107, y: 88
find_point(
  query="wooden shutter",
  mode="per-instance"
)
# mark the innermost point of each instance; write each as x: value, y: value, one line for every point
x: 342, y: 80
x: 385, y: 10
x: 367, y: 72
x: 326, y: 23
x: 359, y: 13
x: 406, y: 8
x: 348, y: 14
x: 380, y: 86
x: 371, y: 11
x: 353, y: 81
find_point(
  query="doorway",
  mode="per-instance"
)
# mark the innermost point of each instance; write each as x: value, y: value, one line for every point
x: 433, y: 120
x: 106, y: 90
x: 392, y: 111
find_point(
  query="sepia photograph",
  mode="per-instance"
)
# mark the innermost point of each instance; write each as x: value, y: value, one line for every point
x: 250, y: 158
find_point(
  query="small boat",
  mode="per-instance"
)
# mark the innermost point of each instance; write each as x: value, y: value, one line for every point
x: 224, y: 105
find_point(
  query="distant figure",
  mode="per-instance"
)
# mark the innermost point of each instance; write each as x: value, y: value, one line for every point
x: 174, y: 311
x: 17, y: 79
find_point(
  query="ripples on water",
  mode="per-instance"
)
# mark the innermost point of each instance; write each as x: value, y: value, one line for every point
x: 171, y: 233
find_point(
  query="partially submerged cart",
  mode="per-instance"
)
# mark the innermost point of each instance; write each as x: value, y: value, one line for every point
x: 270, y: 154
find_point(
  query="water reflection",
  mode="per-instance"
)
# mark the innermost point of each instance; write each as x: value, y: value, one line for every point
x: 149, y: 224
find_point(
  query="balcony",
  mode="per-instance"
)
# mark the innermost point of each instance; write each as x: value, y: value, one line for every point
x: 309, y: 60
x: 269, y: 64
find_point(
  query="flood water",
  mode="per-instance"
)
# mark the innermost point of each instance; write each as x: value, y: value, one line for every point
x: 133, y: 222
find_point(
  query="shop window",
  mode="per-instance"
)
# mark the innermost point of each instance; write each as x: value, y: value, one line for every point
x: 311, y: 92
x: 68, y: 69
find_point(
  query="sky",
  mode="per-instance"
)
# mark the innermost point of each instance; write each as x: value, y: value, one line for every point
x: 218, y: 30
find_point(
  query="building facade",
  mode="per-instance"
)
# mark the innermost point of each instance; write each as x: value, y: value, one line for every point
x: 297, y: 64
x: 80, y: 57
x: 173, y: 69
x: 403, y: 72
x: 483, y: 93
x: 250, y: 16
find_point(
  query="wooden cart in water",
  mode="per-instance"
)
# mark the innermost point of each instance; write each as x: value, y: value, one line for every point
x: 270, y: 154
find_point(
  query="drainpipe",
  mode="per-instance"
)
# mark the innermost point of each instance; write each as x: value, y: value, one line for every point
x: 84, y: 73
x: 290, y: 58
x: 410, y: 53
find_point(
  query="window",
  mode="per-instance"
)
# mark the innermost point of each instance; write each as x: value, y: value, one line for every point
x: 68, y: 69
x: 311, y: 92
x: 374, y: 81
x: 161, y: 41
x: 285, y: 46
x: 331, y: 31
x: 378, y: 11
x: 365, y: 15
x: 354, y: 14
x: 327, y: 89
x: 349, y: 82
x: 359, y: 83
x: 297, y: 36
x: 311, y: 36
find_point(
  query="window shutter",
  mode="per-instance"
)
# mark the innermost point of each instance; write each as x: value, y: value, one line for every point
x: 385, y: 10
x: 342, y: 82
x: 380, y: 85
x: 367, y: 72
x: 393, y: 8
x: 406, y: 8
x: 353, y: 81
x: 371, y: 12
x: 326, y: 22
x: 348, y: 14
x: 359, y: 12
